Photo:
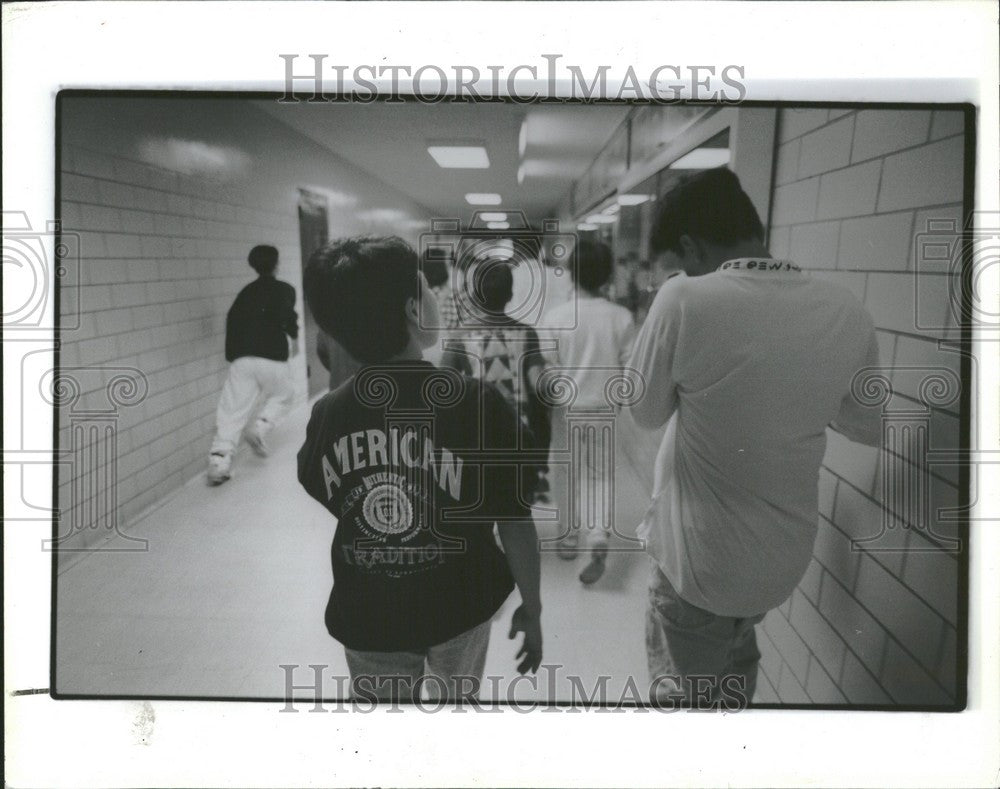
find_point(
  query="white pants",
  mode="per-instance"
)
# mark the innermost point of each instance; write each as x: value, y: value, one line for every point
x: 249, y: 378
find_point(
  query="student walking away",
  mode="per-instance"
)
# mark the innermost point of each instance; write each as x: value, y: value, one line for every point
x: 258, y: 328
x: 505, y: 352
x: 754, y: 358
x: 592, y: 353
x: 403, y: 457
x: 438, y: 278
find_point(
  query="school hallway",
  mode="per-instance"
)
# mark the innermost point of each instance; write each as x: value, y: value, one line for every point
x: 168, y: 195
x: 235, y: 580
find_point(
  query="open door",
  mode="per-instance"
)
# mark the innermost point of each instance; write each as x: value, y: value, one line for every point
x: 313, y: 233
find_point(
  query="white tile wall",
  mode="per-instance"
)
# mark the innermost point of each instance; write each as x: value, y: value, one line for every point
x: 874, y: 627
x: 163, y: 256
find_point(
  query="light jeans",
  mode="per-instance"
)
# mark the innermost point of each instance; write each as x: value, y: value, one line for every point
x: 251, y: 377
x: 456, y: 665
x: 695, y: 653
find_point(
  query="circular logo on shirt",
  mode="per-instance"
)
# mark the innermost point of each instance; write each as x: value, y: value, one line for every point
x: 387, y: 509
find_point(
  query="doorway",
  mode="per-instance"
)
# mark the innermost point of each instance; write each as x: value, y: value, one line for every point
x: 313, y: 233
x: 328, y: 365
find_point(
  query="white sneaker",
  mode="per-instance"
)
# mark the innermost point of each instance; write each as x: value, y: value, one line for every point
x: 256, y: 435
x: 219, y: 467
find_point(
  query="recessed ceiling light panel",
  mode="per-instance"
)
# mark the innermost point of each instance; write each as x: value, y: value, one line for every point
x: 702, y: 159
x: 483, y: 198
x: 468, y: 157
x: 633, y: 199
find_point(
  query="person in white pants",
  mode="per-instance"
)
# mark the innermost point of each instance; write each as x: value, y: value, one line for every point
x: 250, y: 378
x: 258, y: 328
x: 591, y: 354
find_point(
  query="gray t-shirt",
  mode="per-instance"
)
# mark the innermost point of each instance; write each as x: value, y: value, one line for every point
x: 753, y: 361
x: 595, y: 346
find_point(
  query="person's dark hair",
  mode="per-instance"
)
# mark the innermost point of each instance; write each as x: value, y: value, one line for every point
x: 709, y: 205
x: 435, y: 269
x: 593, y: 265
x: 357, y: 289
x: 493, y: 285
x: 263, y: 259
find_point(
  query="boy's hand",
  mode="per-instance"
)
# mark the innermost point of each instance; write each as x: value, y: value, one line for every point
x: 530, y: 624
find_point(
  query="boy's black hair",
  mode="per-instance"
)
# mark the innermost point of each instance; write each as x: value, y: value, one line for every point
x: 493, y: 285
x: 435, y: 269
x: 263, y: 259
x: 357, y: 289
x: 593, y: 265
x: 709, y: 205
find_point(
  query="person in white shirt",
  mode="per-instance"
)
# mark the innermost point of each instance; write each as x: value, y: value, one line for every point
x: 751, y: 359
x: 590, y: 354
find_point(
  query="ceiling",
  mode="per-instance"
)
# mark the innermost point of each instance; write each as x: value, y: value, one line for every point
x: 389, y: 140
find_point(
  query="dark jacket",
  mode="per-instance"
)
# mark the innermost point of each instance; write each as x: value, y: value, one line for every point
x: 261, y: 319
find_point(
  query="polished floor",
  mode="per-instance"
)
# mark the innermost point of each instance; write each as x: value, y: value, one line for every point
x: 235, y: 580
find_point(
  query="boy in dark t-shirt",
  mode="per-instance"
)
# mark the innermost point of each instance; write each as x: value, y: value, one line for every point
x: 506, y: 352
x: 417, y: 465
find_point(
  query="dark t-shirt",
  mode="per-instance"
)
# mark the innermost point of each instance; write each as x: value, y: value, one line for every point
x: 259, y: 320
x: 417, y: 464
x: 503, y: 354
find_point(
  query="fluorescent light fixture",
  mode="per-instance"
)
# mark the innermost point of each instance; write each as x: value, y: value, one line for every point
x: 502, y: 249
x: 471, y: 157
x: 498, y: 225
x: 633, y: 199
x: 493, y: 216
x: 587, y: 226
x: 483, y: 198
x: 600, y: 219
x: 702, y: 159
x: 554, y: 168
x: 522, y: 138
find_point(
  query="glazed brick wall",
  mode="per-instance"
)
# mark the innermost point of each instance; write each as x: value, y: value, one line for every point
x: 854, y: 191
x: 162, y: 256
x: 163, y: 253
